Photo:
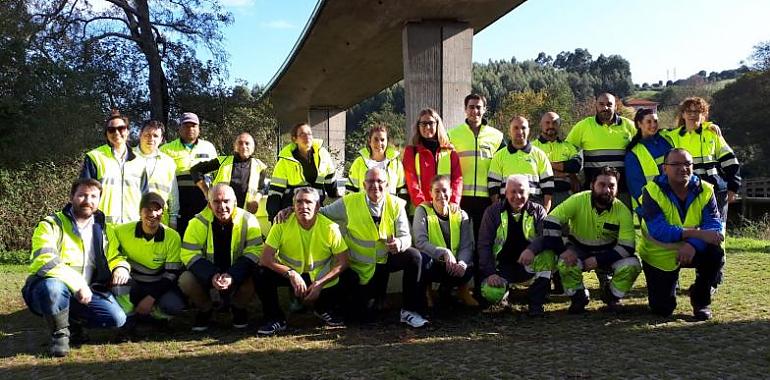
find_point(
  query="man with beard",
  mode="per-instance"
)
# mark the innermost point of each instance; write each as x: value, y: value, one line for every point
x: 682, y: 229
x: 520, y: 157
x: 564, y: 157
x: 68, y: 285
x: 603, y: 139
x: 601, y: 238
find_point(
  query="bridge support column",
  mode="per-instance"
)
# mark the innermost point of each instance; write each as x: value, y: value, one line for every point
x: 328, y: 124
x: 437, y: 69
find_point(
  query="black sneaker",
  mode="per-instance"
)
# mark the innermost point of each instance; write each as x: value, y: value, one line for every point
x: 702, y: 313
x: 271, y: 328
x: 579, y: 302
x: 202, y: 320
x: 240, y: 317
x: 330, y: 319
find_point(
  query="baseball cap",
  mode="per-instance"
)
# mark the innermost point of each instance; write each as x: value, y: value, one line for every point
x: 189, y: 117
x: 151, y: 198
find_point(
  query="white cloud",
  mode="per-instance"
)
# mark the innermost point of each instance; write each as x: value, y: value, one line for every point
x: 278, y: 24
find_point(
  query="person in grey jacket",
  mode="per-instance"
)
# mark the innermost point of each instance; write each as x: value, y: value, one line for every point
x: 445, y: 235
x: 510, y: 247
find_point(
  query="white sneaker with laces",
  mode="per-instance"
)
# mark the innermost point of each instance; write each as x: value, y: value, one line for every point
x: 413, y: 319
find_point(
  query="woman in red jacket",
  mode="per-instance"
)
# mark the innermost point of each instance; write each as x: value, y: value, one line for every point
x: 429, y: 155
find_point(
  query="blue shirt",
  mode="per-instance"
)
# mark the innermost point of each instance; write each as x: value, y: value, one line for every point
x: 658, y: 146
x: 661, y: 230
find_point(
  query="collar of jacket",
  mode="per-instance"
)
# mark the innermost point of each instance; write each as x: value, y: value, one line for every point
x: 615, y: 120
x: 683, y: 130
x: 693, y: 185
x: 99, y: 218
x: 159, y: 235
x: 544, y: 141
x: 526, y: 149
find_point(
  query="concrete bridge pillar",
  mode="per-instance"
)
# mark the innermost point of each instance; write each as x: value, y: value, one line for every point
x: 437, y: 69
x: 328, y: 124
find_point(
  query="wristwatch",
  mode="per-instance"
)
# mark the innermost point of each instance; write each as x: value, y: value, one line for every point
x: 288, y: 273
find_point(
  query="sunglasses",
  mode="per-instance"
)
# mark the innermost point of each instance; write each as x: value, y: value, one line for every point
x: 122, y: 128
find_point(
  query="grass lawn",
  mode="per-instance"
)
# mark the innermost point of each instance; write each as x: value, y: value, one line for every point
x: 465, y: 344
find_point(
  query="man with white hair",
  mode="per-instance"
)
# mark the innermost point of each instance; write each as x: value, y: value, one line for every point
x: 220, y: 249
x: 510, y: 251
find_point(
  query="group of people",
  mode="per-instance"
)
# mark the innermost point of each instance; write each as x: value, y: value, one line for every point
x: 152, y: 230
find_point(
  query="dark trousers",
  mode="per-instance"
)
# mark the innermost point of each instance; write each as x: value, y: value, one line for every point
x: 435, y: 272
x: 191, y: 202
x: 475, y: 207
x: 661, y: 285
x: 515, y: 273
x: 267, y: 282
x: 410, y: 261
x: 170, y: 301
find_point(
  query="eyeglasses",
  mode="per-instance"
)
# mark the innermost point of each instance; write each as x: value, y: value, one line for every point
x: 684, y: 163
x: 426, y: 123
x: 121, y: 128
x: 370, y: 181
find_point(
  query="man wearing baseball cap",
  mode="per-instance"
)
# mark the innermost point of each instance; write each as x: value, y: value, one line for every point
x: 187, y: 151
x: 144, y: 259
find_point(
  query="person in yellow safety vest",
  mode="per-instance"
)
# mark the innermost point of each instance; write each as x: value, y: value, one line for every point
x: 116, y: 167
x: 565, y: 159
x: 221, y: 249
x: 521, y: 157
x: 159, y: 175
x: 601, y: 238
x: 304, y: 162
x: 681, y: 229
x: 186, y: 151
x: 714, y: 160
x: 376, y: 230
x: 444, y: 236
x: 244, y: 173
x: 603, y: 139
x: 644, y: 154
x: 308, y: 253
x: 144, y: 259
x: 69, y: 276
x: 511, y: 249
x: 475, y: 142
x: 378, y: 153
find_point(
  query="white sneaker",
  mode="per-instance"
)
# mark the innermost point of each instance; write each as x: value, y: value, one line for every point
x: 413, y: 319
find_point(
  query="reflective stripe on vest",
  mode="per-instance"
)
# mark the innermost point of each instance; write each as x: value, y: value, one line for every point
x: 121, y: 185
x: 501, y: 235
x: 443, y: 166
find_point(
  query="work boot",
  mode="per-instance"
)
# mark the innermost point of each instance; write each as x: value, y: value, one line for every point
x: 613, y: 303
x: 579, y: 302
x: 537, y: 293
x: 536, y: 310
x: 465, y: 296
x: 60, y: 333
x: 701, y: 313
x: 78, y: 334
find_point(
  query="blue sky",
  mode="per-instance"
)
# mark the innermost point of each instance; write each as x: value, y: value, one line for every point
x: 655, y: 36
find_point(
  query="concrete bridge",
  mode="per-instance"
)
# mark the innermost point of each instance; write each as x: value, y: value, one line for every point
x: 351, y: 50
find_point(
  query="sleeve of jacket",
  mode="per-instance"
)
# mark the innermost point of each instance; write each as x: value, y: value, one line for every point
x: 552, y: 224
x: 420, y: 233
x: 354, y: 182
x: 46, y: 260
x: 456, y: 178
x: 204, y: 167
x: 89, y: 169
x: 729, y: 166
x: 410, y: 174
x: 634, y: 176
x: 173, y: 266
x: 545, y: 172
x: 537, y: 244
x: 191, y: 253
x: 710, y: 221
x: 173, y: 203
x: 575, y: 163
x: 487, y: 233
x: 465, y: 251
x: 401, y: 181
x: 494, y: 175
x: 278, y: 185
x: 575, y: 136
x: 657, y: 226
x: 115, y: 256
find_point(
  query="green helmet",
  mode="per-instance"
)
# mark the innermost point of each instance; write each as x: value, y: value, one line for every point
x: 494, y: 294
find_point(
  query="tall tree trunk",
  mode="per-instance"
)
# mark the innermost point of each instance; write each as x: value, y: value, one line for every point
x: 159, y: 98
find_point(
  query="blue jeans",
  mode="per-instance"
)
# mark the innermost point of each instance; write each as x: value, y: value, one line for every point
x: 49, y: 296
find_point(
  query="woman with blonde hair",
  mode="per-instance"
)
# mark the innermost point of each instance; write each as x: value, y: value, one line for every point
x: 430, y: 154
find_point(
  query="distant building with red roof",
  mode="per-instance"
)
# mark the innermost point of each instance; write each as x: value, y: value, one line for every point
x: 638, y: 104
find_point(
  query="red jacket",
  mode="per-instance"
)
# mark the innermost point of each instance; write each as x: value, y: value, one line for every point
x: 419, y: 188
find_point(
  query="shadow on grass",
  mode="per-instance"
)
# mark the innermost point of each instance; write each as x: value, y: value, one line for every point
x: 595, y: 345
